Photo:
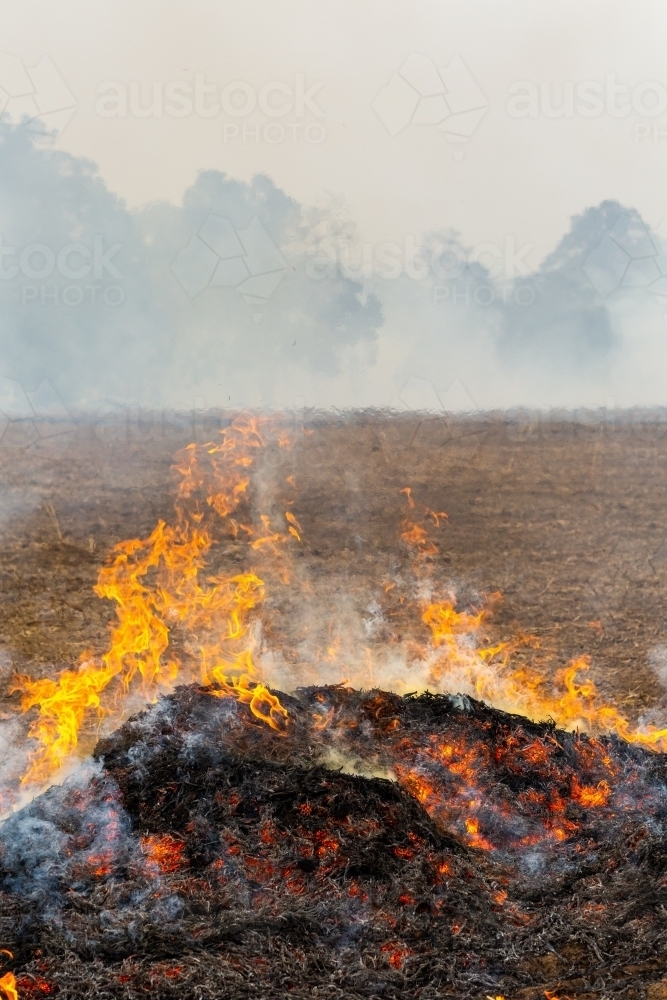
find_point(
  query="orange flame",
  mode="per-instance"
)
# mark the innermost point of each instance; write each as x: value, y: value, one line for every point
x: 456, y: 663
x: 8, y: 986
x: 156, y: 584
x: 573, y: 703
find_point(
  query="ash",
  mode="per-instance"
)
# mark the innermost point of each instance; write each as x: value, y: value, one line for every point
x: 203, y: 854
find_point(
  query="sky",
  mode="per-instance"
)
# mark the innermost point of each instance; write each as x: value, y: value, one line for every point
x: 394, y: 204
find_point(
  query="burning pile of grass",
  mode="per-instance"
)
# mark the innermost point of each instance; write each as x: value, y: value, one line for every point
x: 236, y: 841
x: 208, y: 854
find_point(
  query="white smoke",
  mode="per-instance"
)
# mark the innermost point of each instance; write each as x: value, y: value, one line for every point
x: 240, y: 296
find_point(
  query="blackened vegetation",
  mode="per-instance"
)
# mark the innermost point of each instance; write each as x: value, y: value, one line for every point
x: 208, y: 855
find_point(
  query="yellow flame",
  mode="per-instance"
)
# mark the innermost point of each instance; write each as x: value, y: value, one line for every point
x: 159, y: 584
x: 156, y: 584
x: 8, y: 986
x: 457, y: 663
x: 573, y: 702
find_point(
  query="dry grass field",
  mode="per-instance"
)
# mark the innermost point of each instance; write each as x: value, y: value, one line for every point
x: 565, y: 520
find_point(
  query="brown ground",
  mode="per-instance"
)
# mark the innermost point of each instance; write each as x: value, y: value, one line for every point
x: 564, y: 519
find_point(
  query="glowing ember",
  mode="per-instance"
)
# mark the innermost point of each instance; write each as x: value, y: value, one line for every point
x: 34, y: 986
x: 165, y: 852
x: 395, y: 953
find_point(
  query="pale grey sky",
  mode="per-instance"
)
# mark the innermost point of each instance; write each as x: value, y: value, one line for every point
x: 387, y: 122
x: 521, y: 176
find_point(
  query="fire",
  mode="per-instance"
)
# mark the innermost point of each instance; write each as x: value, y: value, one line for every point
x: 158, y: 585
x: 396, y: 953
x: 458, y: 663
x: 165, y: 852
x: 162, y: 592
x: 173, y: 972
x: 592, y: 797
x: 34, y: 985
x: 100, y: 864
x: 8, y: 986
x: 486, y: 672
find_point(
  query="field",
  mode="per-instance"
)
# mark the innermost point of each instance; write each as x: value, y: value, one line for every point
x: 565, y: 520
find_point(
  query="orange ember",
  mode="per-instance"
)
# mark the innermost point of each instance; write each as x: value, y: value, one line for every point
x: 100, y: 864
x: 34, y: 986
x: 396, y: 953
x: 165, y: 852
x: 173, y: 972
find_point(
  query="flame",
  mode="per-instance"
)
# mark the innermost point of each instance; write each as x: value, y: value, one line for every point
x: 573, y: 703
x: 457, y: 663
x: 416, y: 535
x: 8, y: 986
x: 156, y: 584
x: 160, y: 588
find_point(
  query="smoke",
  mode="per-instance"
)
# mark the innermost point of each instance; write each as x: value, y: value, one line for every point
x: 584, y: 329
x: 110, y: 305
x: 657, y: 660
x: 566, y: 322
x: 240, y: 296
x: 34, y: 840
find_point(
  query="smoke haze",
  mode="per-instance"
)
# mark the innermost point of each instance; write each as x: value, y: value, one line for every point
x: 241, y: 296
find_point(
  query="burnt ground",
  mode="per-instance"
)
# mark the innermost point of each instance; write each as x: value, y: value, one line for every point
x: 565, y: 519
x: 207, y: 855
